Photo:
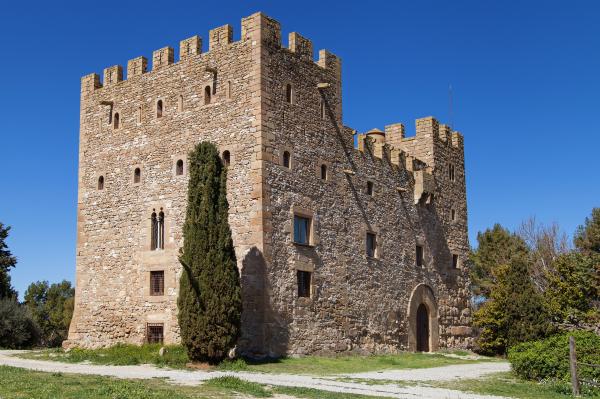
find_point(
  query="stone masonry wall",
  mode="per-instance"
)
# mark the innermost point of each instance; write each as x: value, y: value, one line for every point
x: 357, y: 303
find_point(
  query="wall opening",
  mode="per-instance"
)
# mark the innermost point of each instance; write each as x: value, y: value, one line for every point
x: 207, y: 95
x: 423, y: 325
x: 157, y: 230
x: 324, y: 172
x: 419, y: 255
x: 116, y: 120
x: 179, y: 167
x: 137, y: 175
x: 157, y: 283
x: 287, y: 159
x: 159, y: 109
x: 422, y: 329
x: 101, y: 183
x: 226, y: 158
x: 289, y: 94
x: 304, y: 283
x: 155, y: 333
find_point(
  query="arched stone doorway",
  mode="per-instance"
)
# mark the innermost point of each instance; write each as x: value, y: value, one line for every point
x: 423, y: 328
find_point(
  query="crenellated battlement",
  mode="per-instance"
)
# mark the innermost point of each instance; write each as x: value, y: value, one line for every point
x: 255, y: 27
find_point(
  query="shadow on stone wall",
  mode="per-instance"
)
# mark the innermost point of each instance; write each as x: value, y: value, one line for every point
x: 261, y: 336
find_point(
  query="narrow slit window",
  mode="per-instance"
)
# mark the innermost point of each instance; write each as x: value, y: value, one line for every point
x: 180, y: 104
x: 289, y: 94
x: 451, y: 172
x: 101, y: 183
x: 370, y: 188
x: 157, y: 283
x: 371, y: 245
x: 159, y: 109
x: 419, y: 255
x: 322, y: 111
x: 116, y: 120
x: 207, y: 94
x: 229, y: 89
x: 226, y: 158
x: 139, y: 117
x: 453, y: 215
x: 454, y: 261
x: 324, y: 172
x: 301, y: 230
x: 155, y: 333
x: 179, y: 167
x: 287, y: 159
x: 304, y: 283
x: 137, y: 175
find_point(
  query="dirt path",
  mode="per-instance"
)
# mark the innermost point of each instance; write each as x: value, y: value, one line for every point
x: 327, y: 384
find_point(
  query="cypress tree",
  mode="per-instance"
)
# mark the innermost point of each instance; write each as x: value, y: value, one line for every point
x: 209, y: 302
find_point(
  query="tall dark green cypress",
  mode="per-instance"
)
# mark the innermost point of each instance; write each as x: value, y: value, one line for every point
x: 209, y: 302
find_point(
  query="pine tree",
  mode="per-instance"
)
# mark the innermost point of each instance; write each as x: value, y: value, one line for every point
x: 209, y: 300
x: 587, y: 237
x: 7, y: 261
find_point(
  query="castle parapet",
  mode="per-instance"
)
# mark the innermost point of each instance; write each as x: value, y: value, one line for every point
x: 113, y: 74
x: 137, y: 66
x: 162, y: 58
x: 394, y: 134
x: 89, y: 83
x: 301, y: 46
x: 189, y: 47
x: 221, y: 36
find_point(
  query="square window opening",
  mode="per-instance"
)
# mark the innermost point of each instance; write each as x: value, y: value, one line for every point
x: 302, y: 230
x: 155, y: 333
x: 304, y: 283
x: 157, y: 283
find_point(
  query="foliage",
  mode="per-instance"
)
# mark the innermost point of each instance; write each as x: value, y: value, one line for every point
x: 573, y: 288
x: 587, y: 237
x: 546, y: 243
x: 549, y: 358
x: 7, y: 261
x: 514, y: 313
x: 209, y: 300
x: 52, y: 309
x: 496, y: 247
x: 121, y: 354
x: 17, y: 328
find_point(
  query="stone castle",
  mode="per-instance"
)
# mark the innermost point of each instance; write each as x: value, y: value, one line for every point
x: 340, y: 249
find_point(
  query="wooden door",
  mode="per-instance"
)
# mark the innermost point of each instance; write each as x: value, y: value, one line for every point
x: 422, y: 329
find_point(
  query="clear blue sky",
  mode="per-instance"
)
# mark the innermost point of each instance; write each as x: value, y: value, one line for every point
x: 525, y: 76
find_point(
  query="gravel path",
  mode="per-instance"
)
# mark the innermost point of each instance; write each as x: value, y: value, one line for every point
x: 196, y: 377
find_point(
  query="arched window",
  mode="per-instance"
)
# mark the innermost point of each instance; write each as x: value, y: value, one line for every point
x: 207, y: 95
x: 289, y: 93
x: 179, y: 167
x: 226, y: 158
x: 101, y: 183
x: 159, y: 109
x: 324, y: 172
x: 157, y: 230
x: 286, y: 159
x: 116, y: 121
x: 137, y: 175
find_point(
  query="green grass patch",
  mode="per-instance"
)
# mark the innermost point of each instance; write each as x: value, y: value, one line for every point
x: 311, y: 393
x: 121, y: 355
x: 316, y: 365
x: 235, y: 384
x: 17, y: 383
x: 506, y: 384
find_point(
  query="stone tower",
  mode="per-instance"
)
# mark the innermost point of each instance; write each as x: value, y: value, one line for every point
x: 339, y: 249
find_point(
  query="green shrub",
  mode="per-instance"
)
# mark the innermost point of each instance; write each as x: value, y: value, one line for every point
x: 17, y: 328
x: 548, y: 359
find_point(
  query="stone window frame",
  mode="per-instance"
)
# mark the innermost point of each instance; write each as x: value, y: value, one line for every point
x: 117, y: 121
x: 421, y: 243
x: 152, y: 292
x: 304, y: 267
x: 313, y: 238
x: 376, y: 230
x: 168, y: 282
x: 174, y: 159
x: 293, y: 94
x: 232, y: 153
x: 320, y: 163
x: 100, y: 173
x: 292, y: 162
x: 146, y: 242
x: 157, y: 323
x: 163, y: 108
x: 133, y: 168
x: 455, y: 265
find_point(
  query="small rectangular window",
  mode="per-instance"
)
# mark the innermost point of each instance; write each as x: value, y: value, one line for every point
x: 454, y: 261
x: 451, y: 172
x: 419, y: 255
x: 157, y: 283
x: 369, y: 188
x: 304, y: 283
x: 453, y: 214
x: 301, y: 230
x: 371, y: 245
x: 155, y: 333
